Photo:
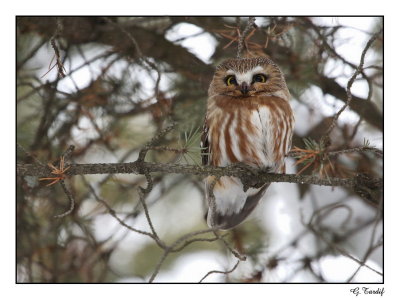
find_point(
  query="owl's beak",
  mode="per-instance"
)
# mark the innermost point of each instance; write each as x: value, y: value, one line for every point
x: 244, y: 88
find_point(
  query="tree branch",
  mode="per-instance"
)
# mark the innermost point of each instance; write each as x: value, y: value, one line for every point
x: 220, y: 272
x: 359, y: 182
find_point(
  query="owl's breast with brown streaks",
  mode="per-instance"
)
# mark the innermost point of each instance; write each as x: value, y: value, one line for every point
x: 253, y: 130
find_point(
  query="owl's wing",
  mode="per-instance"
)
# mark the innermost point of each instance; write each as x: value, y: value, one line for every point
x: 204, y: 144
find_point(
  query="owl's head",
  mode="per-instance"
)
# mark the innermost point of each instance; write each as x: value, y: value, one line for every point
x: 248, y: 77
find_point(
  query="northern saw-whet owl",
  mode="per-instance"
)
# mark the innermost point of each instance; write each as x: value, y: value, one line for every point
x: 248, y: 121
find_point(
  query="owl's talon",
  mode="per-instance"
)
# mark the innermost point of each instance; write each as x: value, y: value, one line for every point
x: 249, y: 174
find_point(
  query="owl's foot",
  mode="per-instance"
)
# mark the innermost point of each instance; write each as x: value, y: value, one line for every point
x: 248, y: 175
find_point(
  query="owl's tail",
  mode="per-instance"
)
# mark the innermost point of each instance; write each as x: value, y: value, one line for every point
x: 228, y: 221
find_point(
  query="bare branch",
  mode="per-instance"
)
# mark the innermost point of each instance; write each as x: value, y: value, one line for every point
x: 153, y: 142
x: 142, y: 192
x: 112, y: 212
x: 59, y: 64
x: 139, y: 167
x: 341, y: 250
x: 376, y: 151
x: 220, y: 272
x: 71, y: 201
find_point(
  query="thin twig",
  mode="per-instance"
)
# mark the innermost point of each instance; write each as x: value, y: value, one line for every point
x: 233, y: 251
x: 342, y: 251
x: 71, y: 201
x: 311, y: 225
x: 371, y: 247
x: 377, y: 151
x: 146, y: 211
x: 112, y: 212
x: 154, y: 140
x: 67, y: 153
x: 172, y: 248
x: 220, y: 272
x: 158, y: 266
x: 332, y: 50
x: 188, y: 242
x: 59, y: 64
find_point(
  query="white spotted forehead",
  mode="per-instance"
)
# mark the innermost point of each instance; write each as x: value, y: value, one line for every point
x: 246, y: 76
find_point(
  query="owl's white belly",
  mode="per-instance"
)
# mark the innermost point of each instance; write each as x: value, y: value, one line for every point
x: 230, y: 197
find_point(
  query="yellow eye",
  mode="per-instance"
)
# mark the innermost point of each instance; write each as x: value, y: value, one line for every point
x: 260, y: 78
x: 230, y: 80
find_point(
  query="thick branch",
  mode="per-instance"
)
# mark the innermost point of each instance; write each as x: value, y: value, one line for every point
x: 251, y: 178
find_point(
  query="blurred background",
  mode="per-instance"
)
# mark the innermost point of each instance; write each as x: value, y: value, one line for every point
x: 107, y: 85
